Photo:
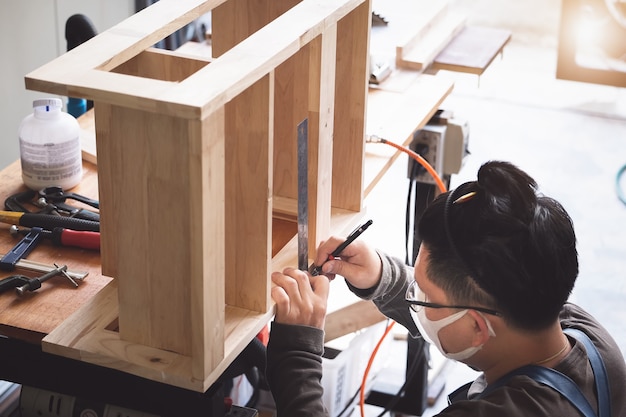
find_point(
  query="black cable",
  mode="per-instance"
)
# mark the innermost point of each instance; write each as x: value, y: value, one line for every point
x: 349, y: 403
x: 407, y: 223
x: 412, y: 371
x: 415, y: 167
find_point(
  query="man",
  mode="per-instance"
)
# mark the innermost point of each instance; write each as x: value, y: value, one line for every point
x: 496, y: 267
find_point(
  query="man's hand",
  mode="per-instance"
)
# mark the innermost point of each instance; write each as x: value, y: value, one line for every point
x: 300, y: 298
x: 359, y: 264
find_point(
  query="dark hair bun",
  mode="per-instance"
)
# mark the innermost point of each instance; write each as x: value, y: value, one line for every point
x: 509, y: 192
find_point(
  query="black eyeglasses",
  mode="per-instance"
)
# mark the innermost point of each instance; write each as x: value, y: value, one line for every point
x: 417, y: 299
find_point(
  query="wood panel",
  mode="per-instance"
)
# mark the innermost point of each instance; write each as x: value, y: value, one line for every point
x: 148, y: 176
x: 249, y: 149
x: 321, y: 104
x: 235, y: 20
x: 350, y: 107
x: 207, y: 169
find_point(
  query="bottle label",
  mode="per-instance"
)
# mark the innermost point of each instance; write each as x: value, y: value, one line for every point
x: 51, y: 161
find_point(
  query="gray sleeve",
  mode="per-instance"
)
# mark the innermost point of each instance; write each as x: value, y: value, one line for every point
x: 388, y: 295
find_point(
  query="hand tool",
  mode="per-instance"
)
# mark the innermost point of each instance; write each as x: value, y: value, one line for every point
x: 22, y: 283
x: 48, y: 221
x: 52, y: 201
x: 316, y: 270
x: 35, y: 283
x: 38, y: 267
x: 13, y: 281
x: 65, y: 237
x: 21, y: 250
x: 303, y: 196
x: 56, y: 197
x: 14, y: 202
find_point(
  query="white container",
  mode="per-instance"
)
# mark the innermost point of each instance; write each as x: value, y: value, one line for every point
x: 50, y: 147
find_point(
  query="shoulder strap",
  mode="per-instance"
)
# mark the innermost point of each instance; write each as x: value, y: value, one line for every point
x: 562, y: 384
x: 546, y: 376
x: 559, y: 382
x: 603, y: 390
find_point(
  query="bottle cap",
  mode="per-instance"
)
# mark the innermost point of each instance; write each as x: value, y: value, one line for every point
x: 48, y: 102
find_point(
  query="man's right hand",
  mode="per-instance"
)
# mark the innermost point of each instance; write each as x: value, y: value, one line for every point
x: 359, y: 264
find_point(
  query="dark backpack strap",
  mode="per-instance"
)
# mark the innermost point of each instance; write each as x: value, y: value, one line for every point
x: 546, y: 376
x: 603, y: 390
x: 459, y: 394
x: 559, y: 382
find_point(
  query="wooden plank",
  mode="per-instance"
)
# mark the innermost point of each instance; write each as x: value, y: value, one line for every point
x: 291, y: 107
x: 121, y: 42
x: 87, y: 123
x: 321, y: 86
x: 142, y: 245
x: 84, y: 336
x: 235, y: 20
x: 423, y: 19
x: 351, y: 318
x: 350, y: 107
x: 472, y: 50
x: 198, y: 95
x: 107, y: 149
x: 87, y: 336
x: 249, y: 149
x: 424, y: 52
x: 207, y: 169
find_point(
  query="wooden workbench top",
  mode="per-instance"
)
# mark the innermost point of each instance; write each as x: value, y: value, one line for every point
x: 31, y: 316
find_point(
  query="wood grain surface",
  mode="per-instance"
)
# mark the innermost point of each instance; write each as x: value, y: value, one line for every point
x: 36, y: 313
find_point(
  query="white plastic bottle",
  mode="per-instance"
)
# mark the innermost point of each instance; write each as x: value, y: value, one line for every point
x: 50, y: 147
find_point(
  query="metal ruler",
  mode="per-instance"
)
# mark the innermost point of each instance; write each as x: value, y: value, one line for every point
x: 303, y: 195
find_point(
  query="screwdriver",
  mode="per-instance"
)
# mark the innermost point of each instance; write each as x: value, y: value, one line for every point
x: 47, y: 221
x: 66, y: 237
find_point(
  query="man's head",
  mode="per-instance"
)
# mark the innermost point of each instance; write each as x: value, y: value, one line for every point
x: 497, y: 243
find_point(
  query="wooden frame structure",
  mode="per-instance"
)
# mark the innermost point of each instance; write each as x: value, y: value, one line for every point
x: 196, y: 167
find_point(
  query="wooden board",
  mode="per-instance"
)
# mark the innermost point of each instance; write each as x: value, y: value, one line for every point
x: 423, y: 51
x: 472, y: 50
x: 350, y: 319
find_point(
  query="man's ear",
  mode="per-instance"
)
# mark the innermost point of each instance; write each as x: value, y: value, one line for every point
x: 482, y: 330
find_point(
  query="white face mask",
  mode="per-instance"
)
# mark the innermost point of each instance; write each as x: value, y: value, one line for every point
x: 430, y: 331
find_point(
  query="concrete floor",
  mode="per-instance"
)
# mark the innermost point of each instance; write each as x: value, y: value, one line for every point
x: 570, y: 136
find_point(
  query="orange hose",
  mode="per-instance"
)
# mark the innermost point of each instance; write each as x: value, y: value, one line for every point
x: 369, y: 365
x: 421, y: 161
